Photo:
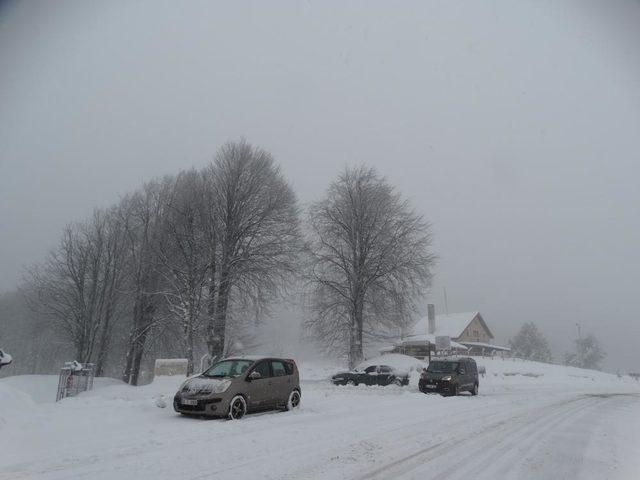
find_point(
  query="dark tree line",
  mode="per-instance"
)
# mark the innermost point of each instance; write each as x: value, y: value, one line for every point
x: 186, y: 264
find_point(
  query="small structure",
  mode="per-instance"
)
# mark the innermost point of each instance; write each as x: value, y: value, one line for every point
x: 469, y: 334
x: 171, y: 366
x: 75, y: 378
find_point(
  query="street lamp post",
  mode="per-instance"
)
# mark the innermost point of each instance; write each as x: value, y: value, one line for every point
x: 579, y: 345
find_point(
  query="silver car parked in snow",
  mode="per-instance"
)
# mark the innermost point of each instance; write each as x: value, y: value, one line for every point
x: 235, y: 386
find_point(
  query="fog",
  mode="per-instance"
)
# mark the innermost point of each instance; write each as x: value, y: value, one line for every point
x: 513, y: 127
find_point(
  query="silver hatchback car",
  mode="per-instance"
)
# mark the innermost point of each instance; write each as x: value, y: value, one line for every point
x: 235, y: 386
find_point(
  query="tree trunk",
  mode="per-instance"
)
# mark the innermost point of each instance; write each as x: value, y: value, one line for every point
x: 126, y: 375
x: 357, y: 321
x: 217, y: 334
x: 103, y: 347
x: 188, y: 334
x: 143, y: 317
x: 211, y: 302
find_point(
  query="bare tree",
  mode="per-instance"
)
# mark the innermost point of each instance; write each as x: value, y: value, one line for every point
x: 142, y: 214
x: 78, y: 284
x: 182, y: 254
x: 253, y: 233
x: 370, y: 261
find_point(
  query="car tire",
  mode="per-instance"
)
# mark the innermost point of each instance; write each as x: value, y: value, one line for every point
x: 397, y: 381
x: 455, y: 391
x: 474, y: 390
x: 237, y: 407
x: 351, y: 383
x: 293, y: 401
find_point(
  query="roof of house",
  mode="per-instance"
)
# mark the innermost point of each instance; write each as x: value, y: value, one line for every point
x: 422, y: 340
x: 451, y: 325
x: 486, y: 345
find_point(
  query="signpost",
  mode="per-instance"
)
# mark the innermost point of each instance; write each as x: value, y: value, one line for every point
x: 443, y: 343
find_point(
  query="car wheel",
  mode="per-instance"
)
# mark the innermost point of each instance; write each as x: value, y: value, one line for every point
x: 474, y: 391
x: 397, y: 382
x: 294, y: 400
x: 351, y: 383
x: 237, y: 408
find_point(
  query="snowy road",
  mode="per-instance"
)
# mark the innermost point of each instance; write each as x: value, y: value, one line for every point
x: 520, y: 428
x: 548, y: 442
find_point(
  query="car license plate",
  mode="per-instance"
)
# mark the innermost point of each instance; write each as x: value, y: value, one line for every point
x: 186, y: 401
x: 430, y: 386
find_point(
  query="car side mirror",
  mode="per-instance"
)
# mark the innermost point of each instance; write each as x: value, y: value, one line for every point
x: 254, y: 376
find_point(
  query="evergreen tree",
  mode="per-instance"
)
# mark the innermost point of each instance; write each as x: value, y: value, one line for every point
x: 530, y: 344
x: 588, y: 354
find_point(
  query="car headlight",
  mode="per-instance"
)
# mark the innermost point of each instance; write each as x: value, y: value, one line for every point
x: 447, y: 378
x: 221, y: 386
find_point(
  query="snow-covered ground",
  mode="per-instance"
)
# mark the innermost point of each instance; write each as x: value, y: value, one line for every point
x: 530, y: 421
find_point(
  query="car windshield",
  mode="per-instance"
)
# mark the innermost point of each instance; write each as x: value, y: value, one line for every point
x: 228, y: 368
x: 442, y: 367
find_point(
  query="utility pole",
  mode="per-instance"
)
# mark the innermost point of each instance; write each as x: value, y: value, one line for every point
x: 446, y: 303
x: 579, y: 332
x: 579, y: 345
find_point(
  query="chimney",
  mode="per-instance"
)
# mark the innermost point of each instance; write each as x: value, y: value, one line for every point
x: 431, y: 316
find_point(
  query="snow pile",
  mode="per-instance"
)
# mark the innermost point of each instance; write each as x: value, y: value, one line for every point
x: 12, y: 402
x: 397, y: 361
x: 43, y: 388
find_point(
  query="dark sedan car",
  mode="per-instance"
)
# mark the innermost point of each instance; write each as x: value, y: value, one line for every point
x: 5, y: 359
x: 372, y: 375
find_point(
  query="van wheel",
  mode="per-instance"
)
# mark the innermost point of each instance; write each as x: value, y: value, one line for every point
x: 475, y: 389
x: 294, y: 400
x: 237, y: 408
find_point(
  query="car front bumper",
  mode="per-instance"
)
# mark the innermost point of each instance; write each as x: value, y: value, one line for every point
x: 214, y: 407
x: 438, y: 386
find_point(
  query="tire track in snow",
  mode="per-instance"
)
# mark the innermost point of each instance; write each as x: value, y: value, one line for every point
x: 491, y: 453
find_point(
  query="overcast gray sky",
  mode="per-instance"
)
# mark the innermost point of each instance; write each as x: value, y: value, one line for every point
x: 512, y: 126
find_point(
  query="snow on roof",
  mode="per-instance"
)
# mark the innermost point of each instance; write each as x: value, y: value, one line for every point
x: 451, y: 325
x: 486, y: 345
x: 247, y: 357
x: 422, y: 339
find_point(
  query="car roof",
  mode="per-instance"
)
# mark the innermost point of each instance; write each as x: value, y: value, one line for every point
x: 255, y: 358
x: 453, y: 359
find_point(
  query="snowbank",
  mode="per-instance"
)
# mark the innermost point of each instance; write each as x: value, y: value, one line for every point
x: 12, y: 402
x: 43, y: 388
x: 403, y: 363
